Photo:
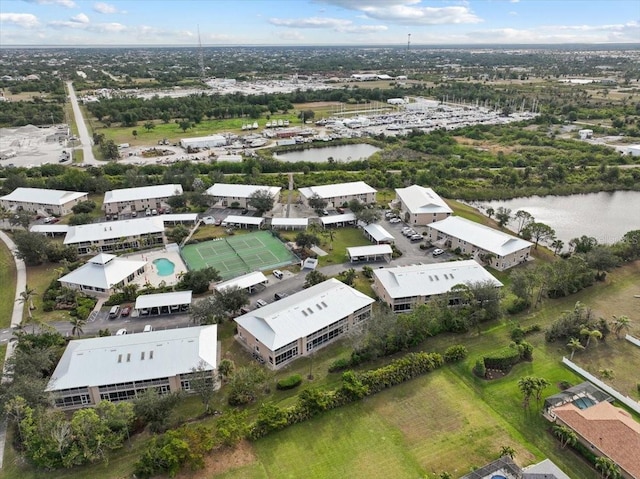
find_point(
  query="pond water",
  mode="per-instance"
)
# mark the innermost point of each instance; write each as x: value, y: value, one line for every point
x: 340, y: 153
x: 605, y: 216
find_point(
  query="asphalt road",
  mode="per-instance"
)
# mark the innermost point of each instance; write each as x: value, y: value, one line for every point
x: 83, y: 132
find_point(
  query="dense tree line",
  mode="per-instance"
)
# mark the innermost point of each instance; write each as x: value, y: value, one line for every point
x: 21, y: 113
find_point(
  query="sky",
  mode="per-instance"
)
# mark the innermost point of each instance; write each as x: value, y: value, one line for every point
x: 317, y: 22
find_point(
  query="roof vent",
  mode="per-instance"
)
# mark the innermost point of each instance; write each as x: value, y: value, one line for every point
x: 430, y: 278
x: 445, y: 276
x: 319, y: 307
x: 451, y: 275
x: 304, y: 313
x: 323, y: 304
x: 310, y: 311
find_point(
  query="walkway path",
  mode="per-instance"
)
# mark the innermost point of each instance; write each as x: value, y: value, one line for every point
x: 16, y: 319
x: 83, y: 132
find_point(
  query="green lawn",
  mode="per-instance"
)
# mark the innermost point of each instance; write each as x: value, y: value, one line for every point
x: 39, y: 278
x: 343, y: 238
x: 8, y: 290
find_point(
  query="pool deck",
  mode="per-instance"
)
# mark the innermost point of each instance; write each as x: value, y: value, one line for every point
x: 151, y: 274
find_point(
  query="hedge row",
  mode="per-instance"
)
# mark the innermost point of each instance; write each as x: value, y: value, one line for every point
x: 504, y: 359
x: 355, y: 386
x: 289, y: 383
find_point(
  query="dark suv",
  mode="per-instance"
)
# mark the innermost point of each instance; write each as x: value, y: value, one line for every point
x: 278, y: 296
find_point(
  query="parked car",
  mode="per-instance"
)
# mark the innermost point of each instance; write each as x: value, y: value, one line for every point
x: 154, y: 212
x: 325, y: 212
x: 54, y: 220
x: 416, y: 237
x: 147, y: 328
x: 134, y: 214
x: 278, y: 274
x: 48, y: 219
x: 245, y: 211
x: 244, y: 310
x: 125, y: 311
x: 147, y: 212
x: 121, y: 332
x: 437, y: 252
x: 114, y: 312
x: 395, y: 220
x: 278, y: 296
x: 260, y: 303
x: 340, y: 210
x: 209, y: 220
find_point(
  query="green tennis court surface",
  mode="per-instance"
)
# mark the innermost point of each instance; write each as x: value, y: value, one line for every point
x: 237, y: 255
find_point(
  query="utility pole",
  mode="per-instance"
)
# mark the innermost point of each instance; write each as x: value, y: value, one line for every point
x: 408, y: 42
x: 200, y: 56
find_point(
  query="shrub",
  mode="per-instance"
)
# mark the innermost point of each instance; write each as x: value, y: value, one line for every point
x: 339, y: 365
x: 563, y: 385
x: 289, y: 383
x: 517, y: 306
x: 455, y: 353
x: 502, y: 359
x: 48, y: 305
x: 517, y: 334
x: 480, y: 369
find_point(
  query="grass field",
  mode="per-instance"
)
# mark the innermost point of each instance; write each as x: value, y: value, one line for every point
x: 39, y: 278
x: 8, y: 289
x: 236, y: 255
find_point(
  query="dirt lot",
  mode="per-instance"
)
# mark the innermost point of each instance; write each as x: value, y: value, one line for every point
x: 33, y: 146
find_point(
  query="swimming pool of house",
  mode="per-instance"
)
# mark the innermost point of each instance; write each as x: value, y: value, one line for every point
x: 164, y: 266
x: 583, y: 402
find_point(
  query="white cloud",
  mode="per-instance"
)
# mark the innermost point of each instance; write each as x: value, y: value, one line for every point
x: 112, y: 27
x: 105, y: 8
x: 291, y: 36
x: 80, y: 18
x: 24, y: 20
x: 63, y: 3
x: 514, y: 1
x: 409, y: 12
x: 335, y: 24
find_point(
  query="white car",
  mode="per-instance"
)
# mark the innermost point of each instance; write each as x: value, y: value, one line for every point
x: 437, y: 252
x: 121, y: 332
x: 147, y: 329
x: 209, y: 220
x: 278, y: 274
x: 260, y: 303
x: 395, y: 220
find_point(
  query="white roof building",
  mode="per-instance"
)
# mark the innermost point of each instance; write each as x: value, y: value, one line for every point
x: 102, y: 272
x: 246, y: 281
x: 334, y: 219
x: 142, y: 193
x: 42, y: 196
x: 211, y: 141
x: 148, y: 301
x: 101, y: 363
x: 354, y: 188
x: 287, y: 223
x: 224, y: 190
x: 378, y: 234
x: 114, y: 229
x: 420, y: 200
x: 484, y: 237
x: 301, y: 314
x: 50, y: 229
x: 430, y: 279
x: 243, y: 220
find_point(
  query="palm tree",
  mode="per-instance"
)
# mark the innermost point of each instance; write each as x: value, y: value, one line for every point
x: 591, y: 334
x: 507, y: 451
x: 527, y: 386
x: 567, y: 436
x: 77, y: 324
x: 574, y: 345
x: 557, y: 246
x: 26, y: 297
x: 620, y: 324
x: 608, y: 468
x: 331, y: 234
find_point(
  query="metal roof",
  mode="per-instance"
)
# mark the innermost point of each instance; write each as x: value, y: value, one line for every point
x: 422, y: 200
x: 369, y: 250
x: 244, y: 281
x: 289, y: 221
x: 303, y: 313
x: 114, y: 229
x: 546, y: 469
x: 103, y: 272
x: 338, y: 189
x: 176, y: 217
x: 142, y: 193
x: 134, y: 357
x: 49, y: 228
x: 481, y: 236
x: 244, y: 220
x: 43, y: 196
x: 239, y: 191
x: 431, y: 279
x: 378, y: 233
x: 345, y: 218
x: 163, y: 299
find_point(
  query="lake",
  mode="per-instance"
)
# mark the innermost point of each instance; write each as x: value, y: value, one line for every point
x: 605, y: 216
x: 340, y: 153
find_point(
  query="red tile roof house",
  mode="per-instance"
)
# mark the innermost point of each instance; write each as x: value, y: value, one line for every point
x: 608, y: 431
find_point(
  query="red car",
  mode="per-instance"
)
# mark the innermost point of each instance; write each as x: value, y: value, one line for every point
x: 125, y: 311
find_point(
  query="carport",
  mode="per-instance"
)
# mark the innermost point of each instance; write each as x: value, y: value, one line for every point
x: 290, y: 223
x: 175, y: 218
x: 378, y: 234
x: 338, y: 220
x: 247, y: 281
x: 163, y: 303
x: 50, y: 229
x: 244, y: 221
x: 376, y: 252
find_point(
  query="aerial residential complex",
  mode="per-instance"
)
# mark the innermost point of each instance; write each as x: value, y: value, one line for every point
x: 421, y: 206
x: 42, y: 201
x: 303, y: 322
x: 116, y: 368
x: 140, y: 199
x: 405, y: 287
x: 238, y: 195
x: 340, y: 193
x: 497, y: 249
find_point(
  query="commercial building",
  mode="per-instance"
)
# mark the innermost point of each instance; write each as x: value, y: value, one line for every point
x: 340, y: 193
x: 492, y: 247
x: 41, y: 200
x: 405, y: 287
x: 128, y: 200
x: 238, y: 195
x: 118, y: 368
x: 211, y: 141
x: 421, y: 206
x: 116, y: 235
x: 300, y: 324
x: 103, y: 274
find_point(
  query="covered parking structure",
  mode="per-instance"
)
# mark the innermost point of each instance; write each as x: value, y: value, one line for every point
x: 378, y: 234
x: 243, y: 221
x: 246, y: 281
x: 183, y: 218
x: 163, y: 303
x: 52, y: 230
x: 289, y: 223
x: 376, y: 252
x: 338, y: 220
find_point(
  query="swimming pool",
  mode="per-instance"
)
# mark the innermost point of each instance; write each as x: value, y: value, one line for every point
x: 164, y: 266
x: 583, y: 402
x: 498, y: 476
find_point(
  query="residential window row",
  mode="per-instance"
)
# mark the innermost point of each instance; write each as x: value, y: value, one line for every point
x: 327, y: 333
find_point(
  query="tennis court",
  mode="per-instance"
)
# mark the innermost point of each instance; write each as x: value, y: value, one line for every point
x: 236, y: 255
